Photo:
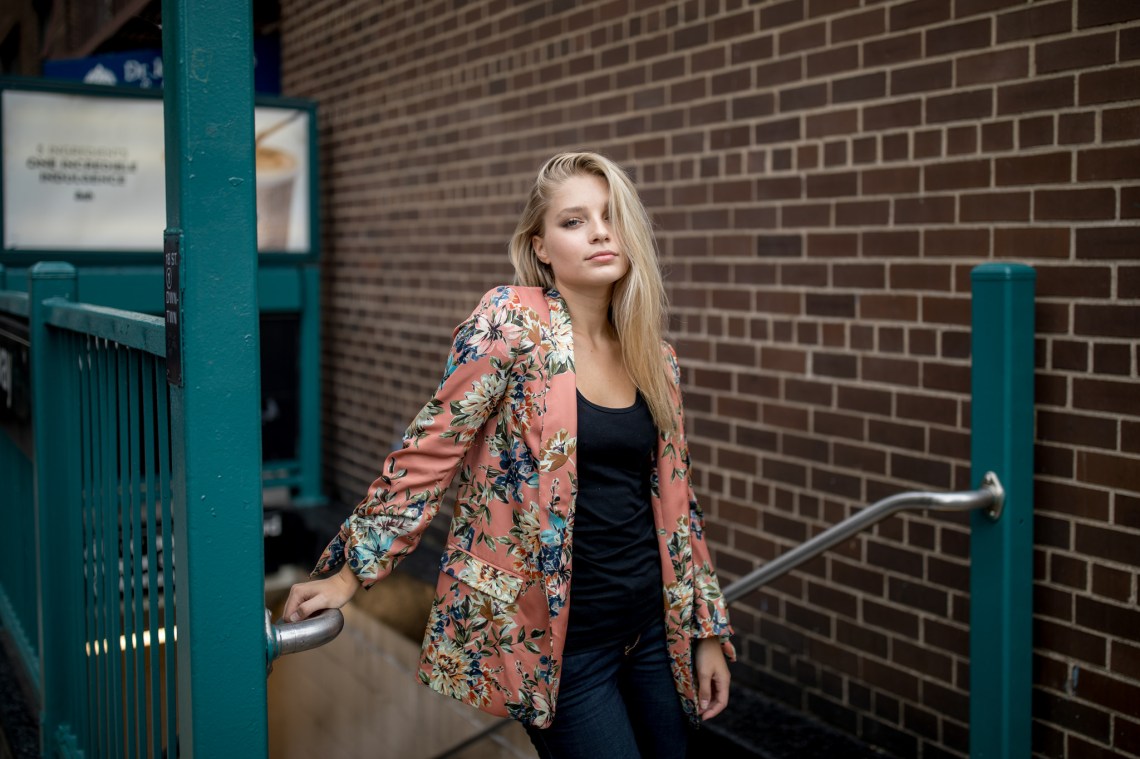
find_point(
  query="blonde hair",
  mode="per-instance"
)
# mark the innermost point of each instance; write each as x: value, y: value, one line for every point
x: 637, y: 307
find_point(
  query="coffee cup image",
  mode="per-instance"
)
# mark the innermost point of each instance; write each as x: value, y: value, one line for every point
x: 276, y: 176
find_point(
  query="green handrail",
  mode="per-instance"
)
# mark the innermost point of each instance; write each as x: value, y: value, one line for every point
x: 127, y: 328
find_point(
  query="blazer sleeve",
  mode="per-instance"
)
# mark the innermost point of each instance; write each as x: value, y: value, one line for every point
x: 388, y: 523
x: 710, y: 611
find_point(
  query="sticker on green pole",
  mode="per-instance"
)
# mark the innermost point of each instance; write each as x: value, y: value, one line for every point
x: 172, y: 298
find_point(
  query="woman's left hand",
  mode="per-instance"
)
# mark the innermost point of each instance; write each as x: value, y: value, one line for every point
x: 712, y: 678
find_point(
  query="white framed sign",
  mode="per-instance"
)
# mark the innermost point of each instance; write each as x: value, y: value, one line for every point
x: 86, y: 173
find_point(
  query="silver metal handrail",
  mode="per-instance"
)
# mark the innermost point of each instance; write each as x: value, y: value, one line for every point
x: 290, y: 637
x: 989, y: 496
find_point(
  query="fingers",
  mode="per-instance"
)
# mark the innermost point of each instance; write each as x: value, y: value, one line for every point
x: 298, y: 594
x: 719, y: 698
x: 307, y: 598
x: 309, y: 608
x: 704, y: 689
x: 704, y: 677
x: 712, y: 679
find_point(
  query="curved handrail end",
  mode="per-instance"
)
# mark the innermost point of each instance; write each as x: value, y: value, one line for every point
x: 283, y: 638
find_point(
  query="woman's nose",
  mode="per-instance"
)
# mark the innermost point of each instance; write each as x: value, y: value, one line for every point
x: 599, y: 230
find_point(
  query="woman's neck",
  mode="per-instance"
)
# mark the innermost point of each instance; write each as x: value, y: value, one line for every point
x: 590, y: 314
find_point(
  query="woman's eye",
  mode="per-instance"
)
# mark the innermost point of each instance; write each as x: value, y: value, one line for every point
x: 571, y: 223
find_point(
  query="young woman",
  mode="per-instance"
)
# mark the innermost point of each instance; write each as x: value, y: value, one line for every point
x: 575, y: 593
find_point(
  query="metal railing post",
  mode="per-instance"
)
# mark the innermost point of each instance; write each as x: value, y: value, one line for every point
x: 1001, y: 550
x: 309, y: 390
x: 213, y: 366
x: 58, y: 513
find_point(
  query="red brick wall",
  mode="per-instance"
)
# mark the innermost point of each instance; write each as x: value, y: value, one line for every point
x: 825, y: 173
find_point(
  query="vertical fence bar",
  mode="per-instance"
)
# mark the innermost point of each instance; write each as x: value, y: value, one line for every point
x: 138, y: 548
x: 102, y: 506
x: 151, y: 500
x: 132, y: 589
x: 169, y: 696
x: 90, y: 470
x: 58, y: 508
x: 109, y: 549
x: 122, y: 517
x: 1001, y: 550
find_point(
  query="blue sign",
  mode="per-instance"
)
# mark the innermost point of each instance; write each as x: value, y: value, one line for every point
x: 139, y: 68
x: 143, y: 68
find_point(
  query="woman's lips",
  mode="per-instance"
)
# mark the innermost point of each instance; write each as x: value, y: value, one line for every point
x: 605, y: 255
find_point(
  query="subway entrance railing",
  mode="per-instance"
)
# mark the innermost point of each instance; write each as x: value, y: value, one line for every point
x: 87, y: 467
x: 1000, y: 508
x: 93, y: 521
x: 92, y: 548
x: 134, y: 578
x: 1001, y: 514
x: 989, y: 497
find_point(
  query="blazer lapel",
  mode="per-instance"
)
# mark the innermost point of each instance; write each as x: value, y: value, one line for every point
x: 558, y: 457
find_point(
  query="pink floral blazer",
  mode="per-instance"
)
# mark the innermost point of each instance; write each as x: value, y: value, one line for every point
x: 504, y: 420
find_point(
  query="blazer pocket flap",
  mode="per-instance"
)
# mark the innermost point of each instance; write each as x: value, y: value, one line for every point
x: 486, y: 578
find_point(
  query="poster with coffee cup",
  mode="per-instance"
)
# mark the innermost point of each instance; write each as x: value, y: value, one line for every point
x: 281, y: 144
x: 86, y: 172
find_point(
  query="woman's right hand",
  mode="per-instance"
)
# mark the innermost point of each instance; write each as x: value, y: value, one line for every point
x: 307, y: 598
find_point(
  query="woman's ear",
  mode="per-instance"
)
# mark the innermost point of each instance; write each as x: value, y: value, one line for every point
x: 539, y: 246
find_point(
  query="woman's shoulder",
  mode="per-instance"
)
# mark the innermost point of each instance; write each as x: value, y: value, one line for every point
x: 513, y: 296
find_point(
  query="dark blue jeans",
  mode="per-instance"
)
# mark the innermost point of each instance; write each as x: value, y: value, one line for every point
x: 617, y: 702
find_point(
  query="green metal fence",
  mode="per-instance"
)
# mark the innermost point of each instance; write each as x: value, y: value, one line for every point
x: 99, y: 583
x: 127, y: 471
x: 123, y: 412
x: 101, y: 512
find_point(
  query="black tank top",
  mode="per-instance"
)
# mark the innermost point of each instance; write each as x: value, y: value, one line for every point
x: 615, y: 586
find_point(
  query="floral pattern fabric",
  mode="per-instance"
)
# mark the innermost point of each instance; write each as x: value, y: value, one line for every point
x: 504, y: 422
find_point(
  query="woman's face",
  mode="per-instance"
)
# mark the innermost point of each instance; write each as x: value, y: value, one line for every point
x: 578, y: 239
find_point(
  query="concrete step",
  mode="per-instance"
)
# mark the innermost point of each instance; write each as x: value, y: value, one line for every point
x: 756, y: 727
x: 752, y: 727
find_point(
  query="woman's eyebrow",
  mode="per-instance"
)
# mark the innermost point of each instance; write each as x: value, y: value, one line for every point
x: 580, y: 210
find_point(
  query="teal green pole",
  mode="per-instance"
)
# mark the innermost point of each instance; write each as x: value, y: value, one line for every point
x: 58, y: 507
x: 212, y: 335
x: 309, y: 392
x: 1001, y: 549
